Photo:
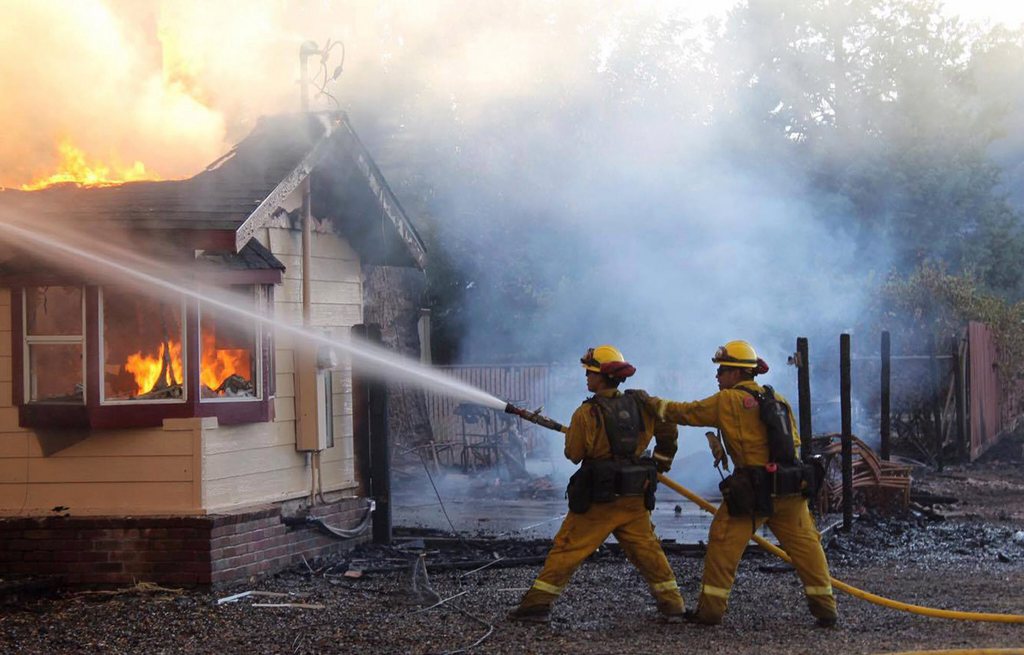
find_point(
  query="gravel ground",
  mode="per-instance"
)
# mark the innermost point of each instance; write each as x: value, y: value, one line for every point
x: 969, y: 561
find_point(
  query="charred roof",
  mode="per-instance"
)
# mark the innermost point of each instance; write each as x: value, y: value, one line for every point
x: 241, y: 191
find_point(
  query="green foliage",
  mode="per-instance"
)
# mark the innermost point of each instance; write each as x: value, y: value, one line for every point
x: 932, y: 302
x: 889, y: 107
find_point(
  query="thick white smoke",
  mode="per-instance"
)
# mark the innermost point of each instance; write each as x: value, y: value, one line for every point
x: 591, y: 132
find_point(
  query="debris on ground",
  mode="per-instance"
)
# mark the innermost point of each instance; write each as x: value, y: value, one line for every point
x: 951, y: 564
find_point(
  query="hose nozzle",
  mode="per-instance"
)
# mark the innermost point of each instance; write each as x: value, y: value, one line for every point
x: 534, y: 417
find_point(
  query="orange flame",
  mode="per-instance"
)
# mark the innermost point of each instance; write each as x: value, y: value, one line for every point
x: 146, y: 369
x: 76, y: 169
x: 217, y: 366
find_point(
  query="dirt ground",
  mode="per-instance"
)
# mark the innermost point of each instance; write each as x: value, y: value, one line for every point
x: 969, y: 560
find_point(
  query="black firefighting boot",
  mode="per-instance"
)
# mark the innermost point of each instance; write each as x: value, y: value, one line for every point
x: 670, y: 613
x: 827, y: 621
x: 693, y: 616
x: 531, y: 614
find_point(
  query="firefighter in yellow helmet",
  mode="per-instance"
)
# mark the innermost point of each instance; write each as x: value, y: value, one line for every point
x: 759, y: 491
x: 613, y: 490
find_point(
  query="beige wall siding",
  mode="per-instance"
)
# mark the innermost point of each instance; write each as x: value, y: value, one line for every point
x: 151, y: 471
x: 249, y: 464
x: 338, y: 464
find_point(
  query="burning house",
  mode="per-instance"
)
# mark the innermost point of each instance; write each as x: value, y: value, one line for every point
x: 155, y: 436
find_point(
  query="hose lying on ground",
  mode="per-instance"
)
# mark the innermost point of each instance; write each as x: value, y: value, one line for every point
x: 962, y: 651
x: 853, y: 591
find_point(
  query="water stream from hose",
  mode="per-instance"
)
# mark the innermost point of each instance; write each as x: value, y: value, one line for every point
x: 371, y: 358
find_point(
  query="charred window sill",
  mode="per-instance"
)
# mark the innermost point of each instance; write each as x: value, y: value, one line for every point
x: 54, y: 416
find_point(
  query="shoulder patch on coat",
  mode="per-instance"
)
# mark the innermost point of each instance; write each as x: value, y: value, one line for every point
x: 749, y: 402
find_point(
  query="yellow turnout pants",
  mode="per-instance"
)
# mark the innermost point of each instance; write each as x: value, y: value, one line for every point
x: 794, y: 527
x: 581, y: 534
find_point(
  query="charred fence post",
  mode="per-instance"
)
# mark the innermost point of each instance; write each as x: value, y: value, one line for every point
x: 803, y: 377
x: 958, y: 390
x: 884, y: 426
x: 847, y: 436
x: 370, y: 432
x: 933, y: 365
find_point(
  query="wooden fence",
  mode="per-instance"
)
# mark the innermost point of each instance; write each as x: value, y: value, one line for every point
x: 996, y: 404
x: 559, y: 389
x: 458, y: 427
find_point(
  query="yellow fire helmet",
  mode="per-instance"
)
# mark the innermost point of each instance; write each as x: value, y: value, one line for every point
x: 736, y: 353
x: 594, y: 357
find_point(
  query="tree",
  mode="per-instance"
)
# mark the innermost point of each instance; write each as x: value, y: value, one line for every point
x: 879, y: 101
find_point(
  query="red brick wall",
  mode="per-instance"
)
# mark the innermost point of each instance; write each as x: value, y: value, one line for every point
x: 200, y: 550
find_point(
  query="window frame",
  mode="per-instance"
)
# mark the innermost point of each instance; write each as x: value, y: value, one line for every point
x: 93, y: 414
x: 101, y: 391
x: 259, y: 298
x: 60, y: 339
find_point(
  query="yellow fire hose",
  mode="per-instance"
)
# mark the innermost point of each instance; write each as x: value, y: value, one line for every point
x: 853, y: 591
x: 962, y: 651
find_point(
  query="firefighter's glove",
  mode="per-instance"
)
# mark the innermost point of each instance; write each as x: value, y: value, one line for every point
x: 662, y: 462
x: 717, y: 450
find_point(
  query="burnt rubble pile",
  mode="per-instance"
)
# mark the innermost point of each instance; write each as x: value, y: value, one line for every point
x: 927, y: 541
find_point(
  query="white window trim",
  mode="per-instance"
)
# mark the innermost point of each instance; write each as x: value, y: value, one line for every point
x: 28, y: 340
x: 101, y: 362
x: 259, y: 303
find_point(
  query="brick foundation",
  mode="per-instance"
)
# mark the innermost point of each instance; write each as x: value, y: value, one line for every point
x: 201, y: 550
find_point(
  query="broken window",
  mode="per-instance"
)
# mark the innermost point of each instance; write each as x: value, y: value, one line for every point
x: 229, y: 349
x: 142, y: 347
x: 54, y: 318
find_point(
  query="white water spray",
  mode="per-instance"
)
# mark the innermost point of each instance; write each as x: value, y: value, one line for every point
x: 383, y: 362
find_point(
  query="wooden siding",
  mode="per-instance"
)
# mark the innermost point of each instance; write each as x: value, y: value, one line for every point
x: 146, y: 471
x: 248, y: 464
x: 338, y: 463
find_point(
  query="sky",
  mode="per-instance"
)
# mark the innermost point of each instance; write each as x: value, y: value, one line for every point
x: 1006, y: 12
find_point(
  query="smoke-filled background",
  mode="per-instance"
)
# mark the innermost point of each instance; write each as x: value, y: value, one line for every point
x: 660, y: 176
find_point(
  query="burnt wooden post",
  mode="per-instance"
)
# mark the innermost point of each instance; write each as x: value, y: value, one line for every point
x: 803, y: 379
x: 958, y: 390
x: 370, y: 439
x: 847, y: 436
x: 886, y: 417
x: 936, y: 400
x: 360, y: 423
